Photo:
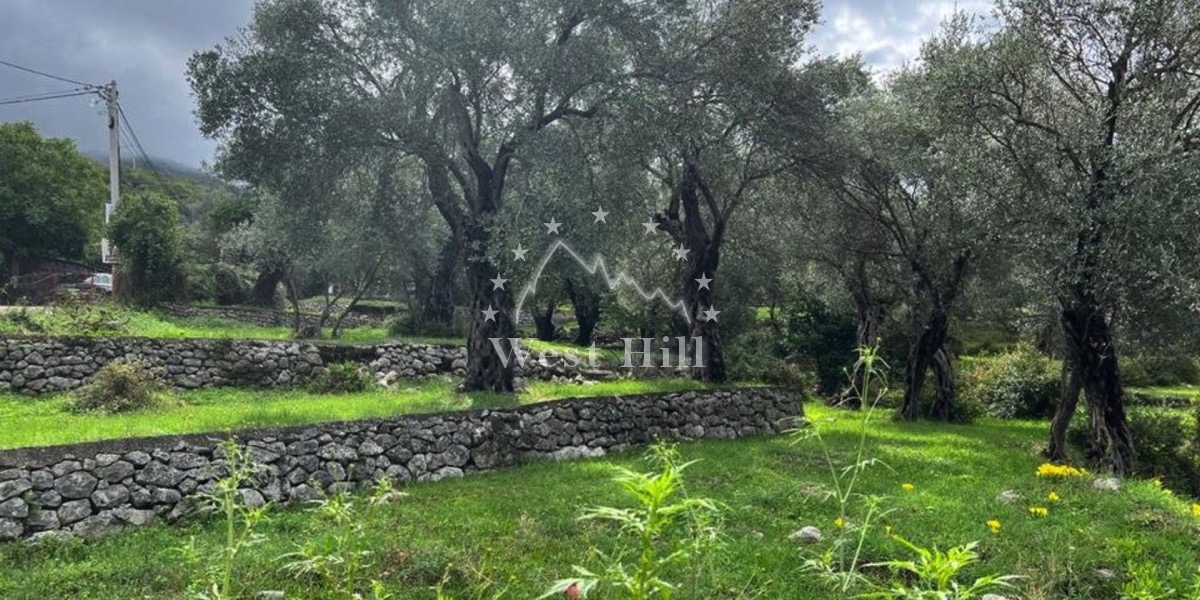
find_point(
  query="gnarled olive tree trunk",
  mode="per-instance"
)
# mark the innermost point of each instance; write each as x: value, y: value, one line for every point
x: 586, y: 303
x: 1093, y: 359
x: 921, y: 357
x: 1056, y: 451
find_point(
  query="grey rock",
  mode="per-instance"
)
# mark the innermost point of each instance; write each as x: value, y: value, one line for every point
x: 16, y: 487
x: 159, y: 474
x: 456, y: 456
x: 104, y: 460
x: 66, y: 467
x: 110, y: 497
x: 50, y: 499
x: 97, y: 526
x: 251, y: 498
x: 337, y: 452
x: 1007, y: 497
x: 115, y: 472
x: 807, y: 535
x: 73, y: 511
x: 45, y: 520
x: 138, y: 458
x: 134, y: 516
x: 78, y: 484
x: 186, y: 461
x: 10, y: 530
x: 10, y: 474
x: 14, y: 508
x: 370, y: 448
x: 305, y: 493
x: 41, y: 480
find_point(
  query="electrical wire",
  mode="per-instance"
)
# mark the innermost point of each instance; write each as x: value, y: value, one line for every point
x: 40, y: 94
x: 48, y: 75
x: 46, y: 97
x: 137, y: 144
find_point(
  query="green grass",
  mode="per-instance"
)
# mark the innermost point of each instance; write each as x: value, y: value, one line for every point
x: 95, y: 320
x: 1175, y: 391
x: 520, y: 524
x: 44, y: 421
x: 611, y: 356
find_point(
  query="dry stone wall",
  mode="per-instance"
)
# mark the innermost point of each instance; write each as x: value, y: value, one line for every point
x: 92, y: 489
x: 37, y: 365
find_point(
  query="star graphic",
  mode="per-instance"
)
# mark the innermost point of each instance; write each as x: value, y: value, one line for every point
x: 600, y: 214
x: 711, y: 315
x: 520, y: 252
x: 489, y: 314
x: 681, y: 252
x: 704, y: 281
x: 651, y: 227
x: 552, y: 226
x: 498, y: 282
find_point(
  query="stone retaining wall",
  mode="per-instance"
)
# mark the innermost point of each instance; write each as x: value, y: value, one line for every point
x: 37, y: 365
x: 266, y: 317
x: 92, y: 489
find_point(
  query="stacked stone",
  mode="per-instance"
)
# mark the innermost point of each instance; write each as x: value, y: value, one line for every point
x: 92, y: 489
x: 44, y: 365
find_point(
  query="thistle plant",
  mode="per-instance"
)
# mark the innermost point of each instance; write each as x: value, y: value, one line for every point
x: 840, y: 563
x: 240, y: 521
x: 932, y: 574
x: 341, y: 556
x: 666, y: 529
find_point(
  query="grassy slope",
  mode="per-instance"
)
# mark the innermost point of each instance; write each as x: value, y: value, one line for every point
x: 522, y: 523
x: 42, y: 421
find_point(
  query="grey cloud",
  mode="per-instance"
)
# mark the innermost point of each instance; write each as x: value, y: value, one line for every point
x: 144, y: 44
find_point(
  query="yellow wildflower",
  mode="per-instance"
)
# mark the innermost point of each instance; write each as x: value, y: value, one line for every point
x: 908, y: 487
x: 839, y: 522
x: 1054, y: 497
x: 1196, y: 510
x: 994, y: 525
x: 1038, y: 511
x: 1052, y: 471
x: 1157, y: 481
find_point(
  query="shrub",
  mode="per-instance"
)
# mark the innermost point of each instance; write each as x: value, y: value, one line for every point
x: 119, y: 386
x: 1166, y: 446
x: 751, y: 359
x: 1020, y: 384
x: 228, y: 287
x: 341, y: 378
x: 146, y: 230
x: 1157, y: 371
x: 817, y: 331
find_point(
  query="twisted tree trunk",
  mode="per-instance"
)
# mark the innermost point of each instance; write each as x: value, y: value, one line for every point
x: 920, y: 356
x: 1057, y: 450
x: 1094, y: 360
x: 587, y: 311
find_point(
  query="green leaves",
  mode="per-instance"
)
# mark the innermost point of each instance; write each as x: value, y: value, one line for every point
x: 51, y: 196
x: 666, y: 528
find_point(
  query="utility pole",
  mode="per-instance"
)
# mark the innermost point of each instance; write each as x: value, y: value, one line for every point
x: 108, y: 253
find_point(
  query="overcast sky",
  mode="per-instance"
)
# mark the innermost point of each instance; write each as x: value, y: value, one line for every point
x: 144, y: 45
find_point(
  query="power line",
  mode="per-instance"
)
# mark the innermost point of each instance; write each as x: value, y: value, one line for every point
x: 48, y: 75
x: 41, y: 94
x: 138, y: 143
x: 46, y: 97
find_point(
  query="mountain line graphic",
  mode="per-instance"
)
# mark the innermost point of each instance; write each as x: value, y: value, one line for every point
x: 596, y: 265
